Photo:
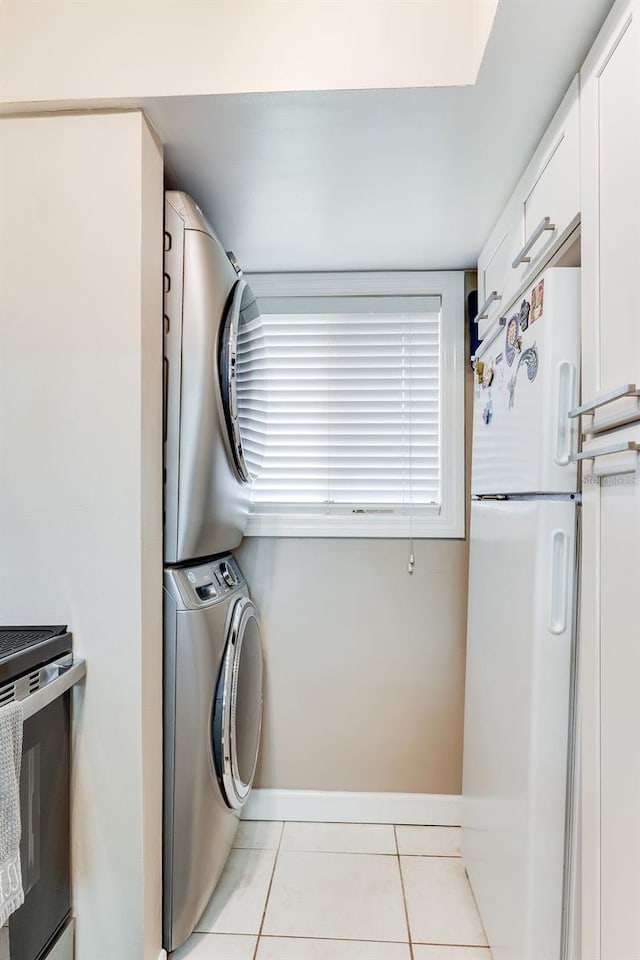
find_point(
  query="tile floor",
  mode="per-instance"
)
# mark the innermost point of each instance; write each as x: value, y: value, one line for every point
x: 340, y: 891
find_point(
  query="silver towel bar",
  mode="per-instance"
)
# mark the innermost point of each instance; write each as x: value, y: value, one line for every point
x: 40, y: 687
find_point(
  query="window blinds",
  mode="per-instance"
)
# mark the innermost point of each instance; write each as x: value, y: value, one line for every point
x: 339, y: 399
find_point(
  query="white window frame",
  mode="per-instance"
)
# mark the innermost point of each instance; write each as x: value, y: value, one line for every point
x: 446, y: 521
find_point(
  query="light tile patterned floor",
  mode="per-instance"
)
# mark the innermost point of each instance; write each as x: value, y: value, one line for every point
x: 341, y: 891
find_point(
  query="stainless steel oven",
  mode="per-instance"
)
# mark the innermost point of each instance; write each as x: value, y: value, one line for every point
x: 40, y: 675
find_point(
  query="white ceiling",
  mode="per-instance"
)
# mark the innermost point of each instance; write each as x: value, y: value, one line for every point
x: 380, y: 179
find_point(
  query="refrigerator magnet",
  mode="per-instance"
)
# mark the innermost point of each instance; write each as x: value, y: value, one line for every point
x: 487, y: 413
x: 487, y: 377
x: 511, y: 339
x: 531, y: 361
x: 525, y: 310
x: 537, y: 302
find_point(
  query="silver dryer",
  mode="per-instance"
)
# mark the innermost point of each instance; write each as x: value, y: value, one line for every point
x: 208, y: 306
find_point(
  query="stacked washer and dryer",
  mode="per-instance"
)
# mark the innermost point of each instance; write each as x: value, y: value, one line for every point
x: 213, y: 650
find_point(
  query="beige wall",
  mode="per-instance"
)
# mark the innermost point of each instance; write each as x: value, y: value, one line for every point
x: 81, y: 480
x: 96, y: 50
x: 364, y: 663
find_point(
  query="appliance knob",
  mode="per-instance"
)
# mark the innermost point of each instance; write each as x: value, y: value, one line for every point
x: 234, y: 263
x: 228, y: 574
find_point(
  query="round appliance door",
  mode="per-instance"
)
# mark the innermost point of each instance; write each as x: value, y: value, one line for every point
x: 237, y: 714
x: 241, y: 298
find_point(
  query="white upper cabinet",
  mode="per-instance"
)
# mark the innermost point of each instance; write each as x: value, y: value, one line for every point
x: 494, y: 274
x: 543, y: 210
x: 610, y: 153
x: 549, y: 195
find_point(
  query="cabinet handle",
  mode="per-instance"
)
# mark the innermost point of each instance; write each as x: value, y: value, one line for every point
x: 483, y: 312
x: 628, y: 447
x: 523, y: 256
x: 626, y: 390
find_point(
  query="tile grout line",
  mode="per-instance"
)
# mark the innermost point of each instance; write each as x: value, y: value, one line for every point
x: 278, y: 848
x: 295, y: 936
x: 404, y: 895
x: 266, y: 902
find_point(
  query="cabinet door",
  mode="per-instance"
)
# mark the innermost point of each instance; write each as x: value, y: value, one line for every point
x: 548, y: 194
x: 610, y: 697
x: 493, y: 275
x: 610, y: 150
x: 550, y: 202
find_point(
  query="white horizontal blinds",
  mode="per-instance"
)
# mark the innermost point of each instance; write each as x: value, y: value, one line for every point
x: 251, y: 405
x: 348, y: 390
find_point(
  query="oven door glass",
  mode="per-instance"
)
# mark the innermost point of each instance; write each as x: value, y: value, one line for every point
x: 45, y: 842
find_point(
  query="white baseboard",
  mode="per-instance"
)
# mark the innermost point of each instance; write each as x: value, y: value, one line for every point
x: 429, y: 809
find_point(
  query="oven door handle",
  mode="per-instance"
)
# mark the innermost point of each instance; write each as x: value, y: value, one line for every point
x: 64, y: 677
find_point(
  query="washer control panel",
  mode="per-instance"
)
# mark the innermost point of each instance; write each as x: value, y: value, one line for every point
x: 227, y: 573
x: 206, y: 583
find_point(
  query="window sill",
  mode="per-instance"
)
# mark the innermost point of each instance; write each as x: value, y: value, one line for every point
x: 432, y: 526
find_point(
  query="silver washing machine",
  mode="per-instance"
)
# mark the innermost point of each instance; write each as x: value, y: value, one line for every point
x: 213, y: 716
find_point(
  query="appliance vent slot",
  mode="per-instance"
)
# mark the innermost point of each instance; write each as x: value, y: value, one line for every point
x: 7, y: 693
x: 24, y: 686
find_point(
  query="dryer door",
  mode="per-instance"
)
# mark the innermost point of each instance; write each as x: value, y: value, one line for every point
x: 237, y: 714
x: 241, y: 300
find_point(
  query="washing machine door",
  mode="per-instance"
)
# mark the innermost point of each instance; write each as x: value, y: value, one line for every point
x: 237, y: 715
x: 242, y: 307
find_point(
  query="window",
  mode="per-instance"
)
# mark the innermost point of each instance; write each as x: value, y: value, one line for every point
x: 351, y: 402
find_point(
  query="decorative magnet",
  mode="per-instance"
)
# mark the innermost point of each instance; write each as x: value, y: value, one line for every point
x: 479, y: 370
x: 531, y: 362
x: 525, y: 310
x: 530, y: 359
x: 537, y: 302
x: 511, y: 340
x: 487, y: 413
x: 487, y: 377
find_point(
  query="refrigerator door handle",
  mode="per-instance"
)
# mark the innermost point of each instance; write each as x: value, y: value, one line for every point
x: 559, y: 583
x: 565, y: 429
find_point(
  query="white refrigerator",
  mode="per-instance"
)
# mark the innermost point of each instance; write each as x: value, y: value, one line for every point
x: 521, y: 621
